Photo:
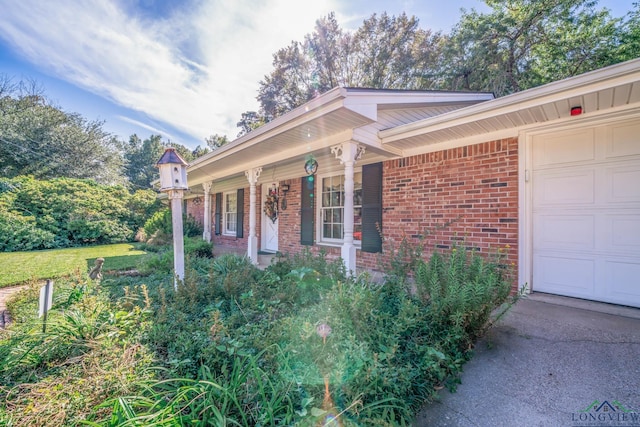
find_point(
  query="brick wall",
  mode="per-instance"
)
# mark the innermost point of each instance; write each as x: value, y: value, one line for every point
x: 465, y: 196
x: 196, y: 209
x: 232, y: 241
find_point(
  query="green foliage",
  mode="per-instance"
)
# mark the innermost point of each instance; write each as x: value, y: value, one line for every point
x: 386, y: 52
x: 90, y: 350
x: 141, y: 158
x: 42, y: 140
x: 66, y: 212
x: 516, y: 45
x: 160, y: 223
x: 235, y: 345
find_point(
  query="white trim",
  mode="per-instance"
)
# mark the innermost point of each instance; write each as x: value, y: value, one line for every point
x: 224, y: 230
x: 318, y: 210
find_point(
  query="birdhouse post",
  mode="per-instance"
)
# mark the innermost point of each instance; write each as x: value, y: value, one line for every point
x: 173, y: 181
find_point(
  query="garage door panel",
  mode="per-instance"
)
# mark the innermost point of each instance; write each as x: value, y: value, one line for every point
x: 576, y: 186
x: 566, y: 274
x: 624, y: 233
x: 623, y: 184
x: 623, y: 281
x: 564, y: 231
x: 624, y: 141
x: 564, y: 148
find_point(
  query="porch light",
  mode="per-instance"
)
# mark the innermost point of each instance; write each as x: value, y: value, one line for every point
x: 576, y: 111
x: 283, y: 202
x: 173, y: 181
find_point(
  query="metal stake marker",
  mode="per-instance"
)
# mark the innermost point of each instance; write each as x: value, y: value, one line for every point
x: 46, y: 298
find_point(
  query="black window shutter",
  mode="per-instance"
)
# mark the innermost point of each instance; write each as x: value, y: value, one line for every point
x: 372, y: 208
x: 306, y: 211
x: 240, y: 213
x: 218, y: 214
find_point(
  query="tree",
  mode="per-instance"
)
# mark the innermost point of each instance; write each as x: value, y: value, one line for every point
x: 386, y: 52
x: 141, y: 158
x: 216, y: 141
x: 42, y: 140
x: 525, y: 43
x: 629, y: 47
x: 250, y: 120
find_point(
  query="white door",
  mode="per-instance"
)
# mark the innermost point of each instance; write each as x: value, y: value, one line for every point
x: 269, y: 227
x: 586, y: 213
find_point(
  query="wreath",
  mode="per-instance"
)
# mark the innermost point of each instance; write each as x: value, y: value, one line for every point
x: 271, y: 206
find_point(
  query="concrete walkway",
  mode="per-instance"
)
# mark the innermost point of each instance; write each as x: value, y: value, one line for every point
x: 549, y: 359
x: 5, y: 294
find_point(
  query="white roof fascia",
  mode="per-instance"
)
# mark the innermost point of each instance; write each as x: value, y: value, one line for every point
x: 323, y: 104
x: 626, y: 72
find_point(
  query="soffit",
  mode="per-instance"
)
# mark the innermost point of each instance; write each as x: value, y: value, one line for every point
x: 610, y: 88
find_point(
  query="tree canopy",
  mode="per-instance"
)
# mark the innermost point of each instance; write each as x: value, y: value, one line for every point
x: 517, y: 45
x: 41, y: 140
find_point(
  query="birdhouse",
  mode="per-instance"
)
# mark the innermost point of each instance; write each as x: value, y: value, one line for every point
x: 173, y: 171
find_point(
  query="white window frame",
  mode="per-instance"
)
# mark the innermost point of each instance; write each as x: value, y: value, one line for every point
x: 320, y: 209
x: 226, y: 212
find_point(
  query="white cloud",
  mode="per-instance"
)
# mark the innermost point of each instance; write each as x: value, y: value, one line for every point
x: 197, y: 70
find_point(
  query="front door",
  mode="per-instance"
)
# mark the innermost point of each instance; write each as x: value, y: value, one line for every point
x: 269, y: 225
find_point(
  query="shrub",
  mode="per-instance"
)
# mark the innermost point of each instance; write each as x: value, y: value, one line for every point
x: 290, y: 345
x: 161, y: 224
x: 67, y: 212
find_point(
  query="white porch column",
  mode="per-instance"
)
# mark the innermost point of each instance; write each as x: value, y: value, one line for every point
x: 252, y: 246
x: 348, y: 153
x: 206, y: 235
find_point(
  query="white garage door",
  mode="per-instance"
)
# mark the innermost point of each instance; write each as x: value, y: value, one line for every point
x: 586, y: 213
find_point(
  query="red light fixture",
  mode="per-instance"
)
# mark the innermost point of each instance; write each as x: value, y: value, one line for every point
x: 576, y: 111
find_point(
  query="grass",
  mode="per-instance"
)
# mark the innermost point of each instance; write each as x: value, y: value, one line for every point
x: 19, y: 267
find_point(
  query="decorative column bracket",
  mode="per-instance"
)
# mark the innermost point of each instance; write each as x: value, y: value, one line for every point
x: 253, y: 175
x: 348, y: 151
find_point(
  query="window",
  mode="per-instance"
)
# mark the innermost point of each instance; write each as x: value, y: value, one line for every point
x: 332, y: 208
x: 230, y: 213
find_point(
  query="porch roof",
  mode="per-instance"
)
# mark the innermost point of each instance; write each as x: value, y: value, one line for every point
x: 314, y: 127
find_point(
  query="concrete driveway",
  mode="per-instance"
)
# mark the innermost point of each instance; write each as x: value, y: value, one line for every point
x: 552, y: 361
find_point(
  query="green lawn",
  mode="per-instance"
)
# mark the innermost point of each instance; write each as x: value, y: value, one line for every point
x: 18, y: 267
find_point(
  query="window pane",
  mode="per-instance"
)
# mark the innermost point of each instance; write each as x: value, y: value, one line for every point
x: 326, y: 184
x: 326, y: 215
x: 337, y: 231
x: 326, y: 199
x: 326, y: 231
x: 337, y: 215
x: 336, y: 199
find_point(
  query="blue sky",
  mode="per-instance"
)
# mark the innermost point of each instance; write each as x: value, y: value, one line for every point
x: 183, y: 69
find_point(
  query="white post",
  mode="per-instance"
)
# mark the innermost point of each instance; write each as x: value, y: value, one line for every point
x: 178, y: 239
x: 206, y: 235
x: 252, y: 245
x: 348, y: 153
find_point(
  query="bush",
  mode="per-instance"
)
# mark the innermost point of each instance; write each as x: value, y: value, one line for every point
x: 161, y: 223
x: 66, y: 212
x: 290, y: 345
